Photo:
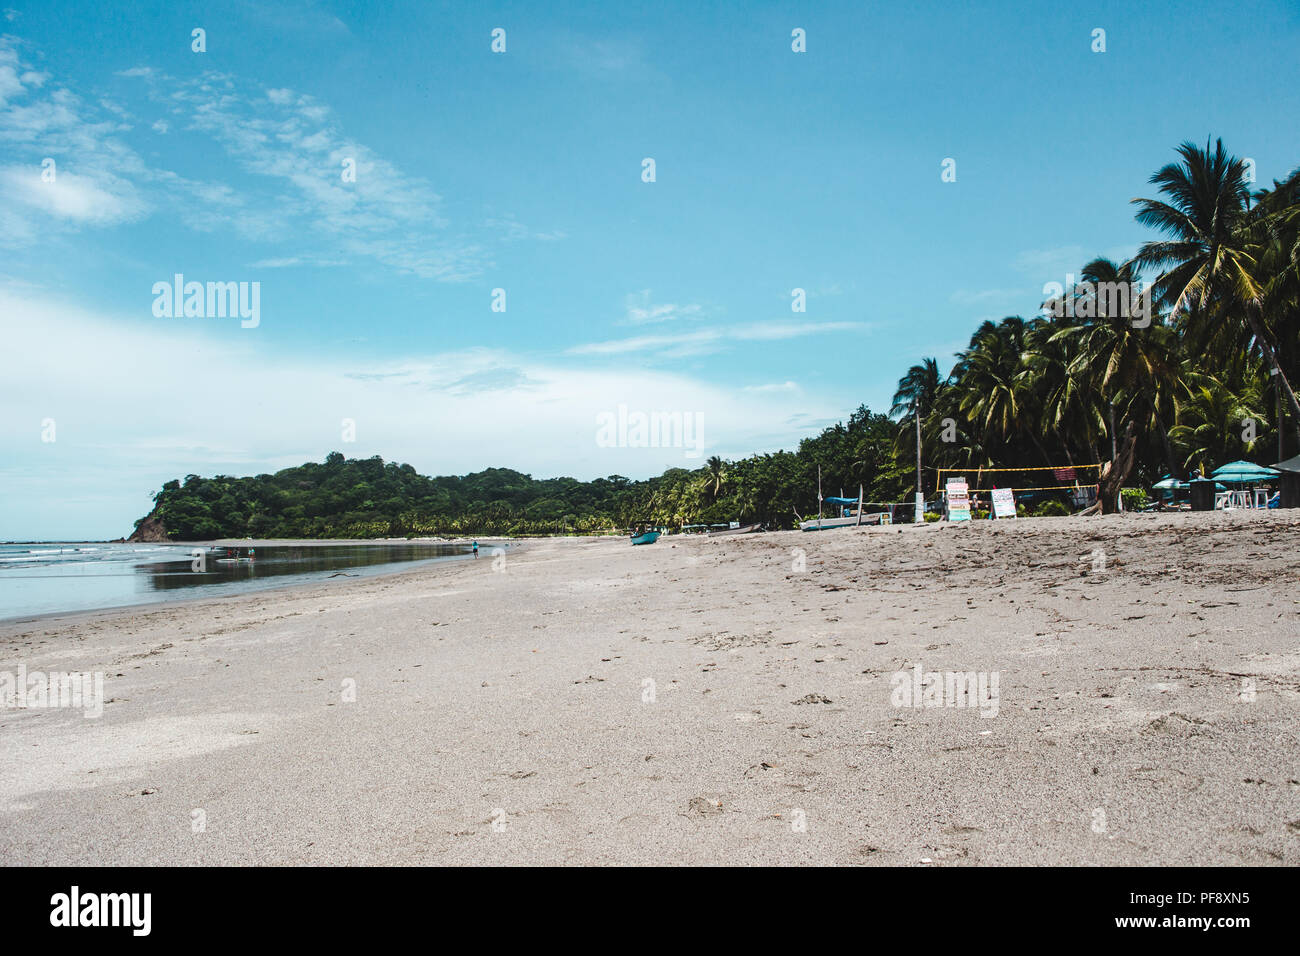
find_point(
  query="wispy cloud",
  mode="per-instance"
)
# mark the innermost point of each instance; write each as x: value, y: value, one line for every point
x: 71, y: 166
x: 702, y: 341
x: 303, y: 183
x: 1051, y: 264
x: 982, y: 296
x: 599, y: 55
x: 641, y: 310
x: 1055, y: 265
x: 315, y: 180
x: 295, y: 18
x: 512, y: 230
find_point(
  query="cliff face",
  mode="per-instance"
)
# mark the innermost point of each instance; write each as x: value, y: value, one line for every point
x: 150, y: 529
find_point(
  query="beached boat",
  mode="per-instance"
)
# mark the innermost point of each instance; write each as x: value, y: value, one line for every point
x: 851, y: 514
x: 645, y: 537
x: 747, y: 529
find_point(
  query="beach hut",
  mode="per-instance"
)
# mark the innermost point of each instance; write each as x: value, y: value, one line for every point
x: 1289, y: 478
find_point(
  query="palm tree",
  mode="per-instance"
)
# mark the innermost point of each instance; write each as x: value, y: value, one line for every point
x: 991, y: 389
x: 1210, y: 271
x: 1209, y: 423
x: 717, y: 474
x: 1065, y: 404
x: 919, y: 388
x: 1131, y: 369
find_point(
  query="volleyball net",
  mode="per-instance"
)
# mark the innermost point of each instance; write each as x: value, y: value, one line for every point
x: 1078, y: 481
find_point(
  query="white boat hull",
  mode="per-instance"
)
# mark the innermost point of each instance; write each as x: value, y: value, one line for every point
x: 813, y: 524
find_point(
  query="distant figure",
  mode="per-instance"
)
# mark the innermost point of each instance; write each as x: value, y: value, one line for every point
x: 476, y: 549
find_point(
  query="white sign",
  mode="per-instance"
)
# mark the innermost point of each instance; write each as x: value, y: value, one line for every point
x: 1004, y: 503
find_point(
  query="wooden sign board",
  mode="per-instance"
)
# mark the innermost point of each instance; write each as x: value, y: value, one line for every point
x: 958, y: 497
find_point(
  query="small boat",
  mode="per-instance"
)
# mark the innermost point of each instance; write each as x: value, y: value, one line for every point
x: 852, y: 514
x: 850, y: 520
x: 747, y: 529
x: 231, y: 556
x: 645, y: 537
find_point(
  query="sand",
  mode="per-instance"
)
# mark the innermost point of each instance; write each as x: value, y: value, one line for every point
x: 703, y: 701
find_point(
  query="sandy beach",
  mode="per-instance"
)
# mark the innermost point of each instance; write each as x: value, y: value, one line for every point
x: 705, y: 701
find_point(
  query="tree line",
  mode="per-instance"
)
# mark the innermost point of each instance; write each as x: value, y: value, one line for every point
x: 1194, y: 370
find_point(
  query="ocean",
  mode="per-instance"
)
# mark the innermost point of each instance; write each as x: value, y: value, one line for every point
x: 65, y: 576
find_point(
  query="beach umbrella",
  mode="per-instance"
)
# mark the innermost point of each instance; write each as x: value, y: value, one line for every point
x: 1169, y: 483
x: 1291, y: 464
x: 1243, y: 472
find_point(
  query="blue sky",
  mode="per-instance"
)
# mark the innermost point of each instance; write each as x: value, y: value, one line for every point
x: 522, y: 171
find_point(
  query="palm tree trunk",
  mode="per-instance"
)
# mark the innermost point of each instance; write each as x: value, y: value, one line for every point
x: 1065, y: 446
x: 1039, y: 445
x: 1164, y: 441
x: 1113, y: 446
x: 1257, y: 328
x: 1113, y: 477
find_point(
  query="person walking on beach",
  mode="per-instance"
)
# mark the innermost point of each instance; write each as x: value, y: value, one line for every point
x: 476, y: 549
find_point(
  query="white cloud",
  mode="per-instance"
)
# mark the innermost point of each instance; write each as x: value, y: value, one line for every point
x: 70, y: 197
x: 295, y: 155
x: 91, y: 181
x: 287, y: 146
x: 702, y: 341
x: 290, y: 262
x: 137, y: 403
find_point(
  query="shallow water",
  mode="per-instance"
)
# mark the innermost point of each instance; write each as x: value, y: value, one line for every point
x: 47, y: 578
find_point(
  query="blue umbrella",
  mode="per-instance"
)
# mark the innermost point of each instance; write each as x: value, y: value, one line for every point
x: 1243, y: 473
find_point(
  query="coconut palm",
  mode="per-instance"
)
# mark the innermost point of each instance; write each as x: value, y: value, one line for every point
x: 1209, y: 429
x: 1066, y: 406
x: 717, y: 475
x: 919, y: 388
x: 1210, y: 270
x: 1128, y: 361
x: 991, y: 387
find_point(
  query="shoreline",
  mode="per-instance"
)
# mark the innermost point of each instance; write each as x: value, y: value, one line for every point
x: 56, y: 617
x: 405, y: 567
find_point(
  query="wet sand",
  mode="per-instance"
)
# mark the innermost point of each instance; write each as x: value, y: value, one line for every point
x: 695, y: 701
